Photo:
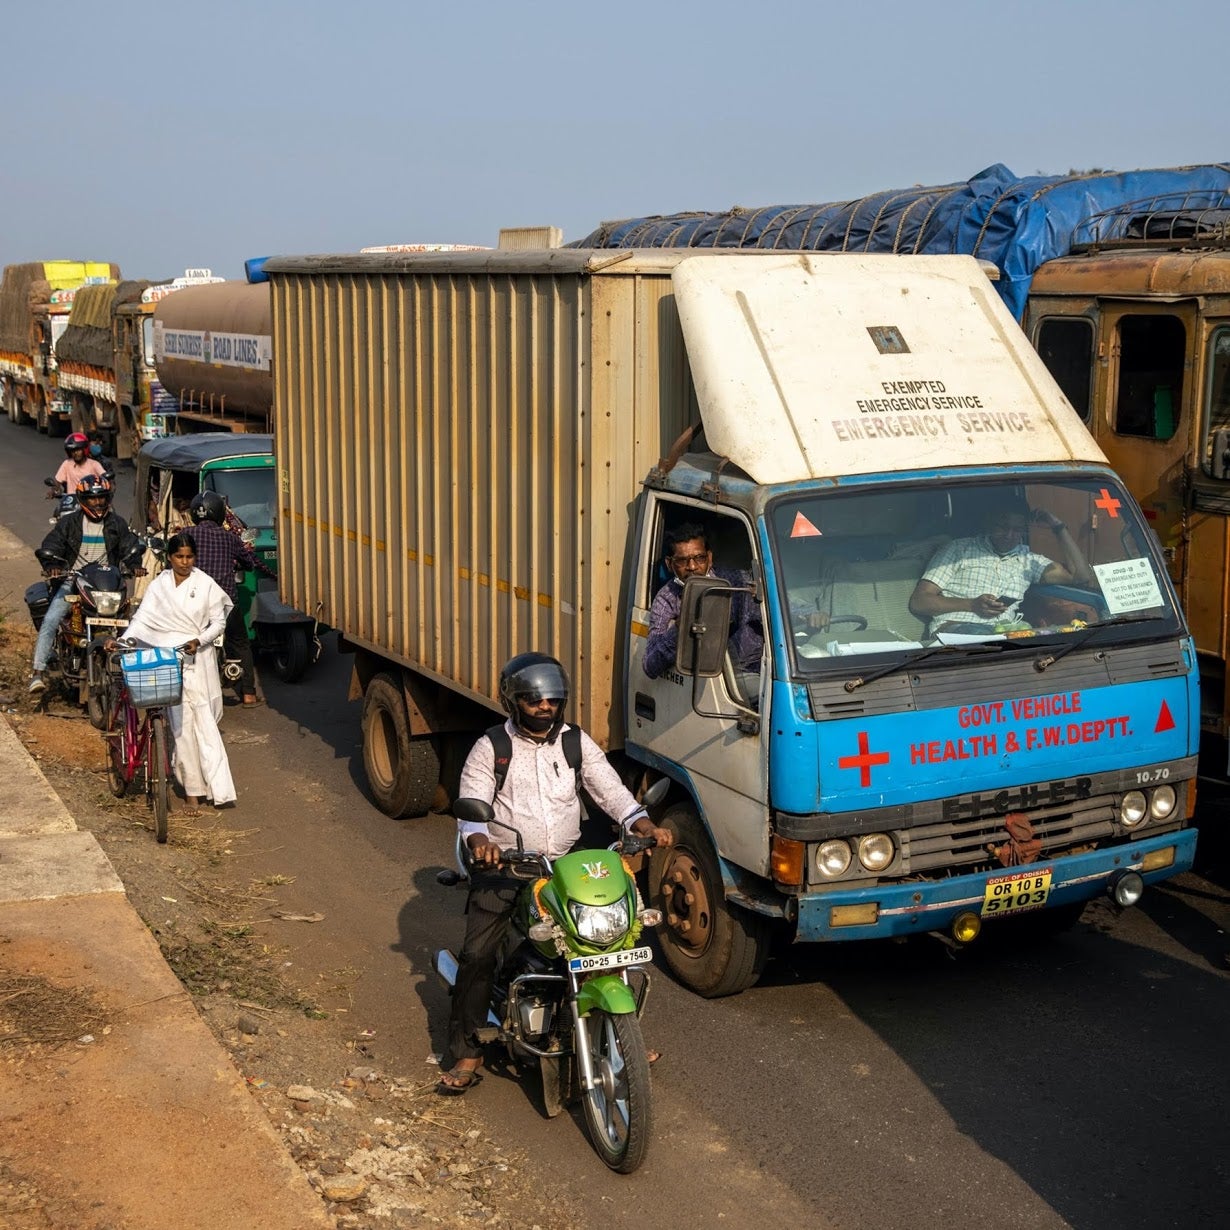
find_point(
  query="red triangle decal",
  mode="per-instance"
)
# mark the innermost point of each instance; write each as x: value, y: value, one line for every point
x: 1164, y: 720
x: 803, y: 528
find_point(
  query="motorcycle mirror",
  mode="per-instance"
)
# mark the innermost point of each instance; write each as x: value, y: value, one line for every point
x: 50, y: 482
x: 473, y: 811
x: 448, y: 877
x: 656, y: 793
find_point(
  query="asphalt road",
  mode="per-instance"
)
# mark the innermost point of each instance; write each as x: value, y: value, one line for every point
x: 1077, y: 1081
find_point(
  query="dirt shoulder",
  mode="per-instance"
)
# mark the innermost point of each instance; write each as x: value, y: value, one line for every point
x: 381, y: 1149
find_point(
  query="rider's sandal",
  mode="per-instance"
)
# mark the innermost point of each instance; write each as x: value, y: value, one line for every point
x: 467, y: 1078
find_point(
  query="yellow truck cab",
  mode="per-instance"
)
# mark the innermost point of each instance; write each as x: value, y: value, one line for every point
x: 1137, y: 333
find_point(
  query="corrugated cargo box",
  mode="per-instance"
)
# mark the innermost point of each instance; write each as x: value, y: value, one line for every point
x: 460, y: 438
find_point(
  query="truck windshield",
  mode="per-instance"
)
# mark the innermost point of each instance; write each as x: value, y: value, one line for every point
x: 882, y: 573
x: 250, y: 493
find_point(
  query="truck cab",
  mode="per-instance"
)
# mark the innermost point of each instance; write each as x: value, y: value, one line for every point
x: 882, y: 770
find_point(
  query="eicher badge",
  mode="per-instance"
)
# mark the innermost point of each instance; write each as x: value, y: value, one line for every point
x: 596, y: 871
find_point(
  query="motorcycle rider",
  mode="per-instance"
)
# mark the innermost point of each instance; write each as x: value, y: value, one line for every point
x: 91, y: 534
x: 77, y: 464
x: 533, y: 784
x: 219, y: 552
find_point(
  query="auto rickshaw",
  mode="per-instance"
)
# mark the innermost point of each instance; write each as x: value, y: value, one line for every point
x: 240, y: 468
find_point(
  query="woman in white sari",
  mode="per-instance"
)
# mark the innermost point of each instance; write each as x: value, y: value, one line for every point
x: 185, y: 608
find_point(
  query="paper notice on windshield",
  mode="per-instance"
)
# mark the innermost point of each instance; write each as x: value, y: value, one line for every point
x: 1128, y: 586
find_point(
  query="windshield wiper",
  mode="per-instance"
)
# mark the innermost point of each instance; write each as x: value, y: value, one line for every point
x: 1048, y: 660
x: 920, y: 655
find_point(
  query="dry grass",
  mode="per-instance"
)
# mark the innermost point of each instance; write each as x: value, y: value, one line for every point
x: 35, y: 1010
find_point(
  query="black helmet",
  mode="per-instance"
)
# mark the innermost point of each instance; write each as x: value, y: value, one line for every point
x: 76, y: 441
x: 531, y: 677
x: 207, y: 506
x: 94, y: 495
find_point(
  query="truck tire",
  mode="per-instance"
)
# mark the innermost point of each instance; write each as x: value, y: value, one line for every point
x: 291, y: 653
x: 402, y: 771
x: 713, y: 948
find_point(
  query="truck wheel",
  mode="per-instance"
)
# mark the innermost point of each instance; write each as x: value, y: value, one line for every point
x: 402, y: 771
x: 291, y: 654
x: 713, y: 948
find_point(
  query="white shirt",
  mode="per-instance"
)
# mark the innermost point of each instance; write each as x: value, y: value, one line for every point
x: 539, y: 795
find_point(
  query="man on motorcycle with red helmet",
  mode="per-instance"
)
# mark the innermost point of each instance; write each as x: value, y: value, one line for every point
x: 92, y: 533
x: 77, y: 464
x: 530, y: 770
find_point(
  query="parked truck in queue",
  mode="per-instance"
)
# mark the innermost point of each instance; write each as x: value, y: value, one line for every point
x: 213, y: 355
x: 35, y: 301
x: 105, y: 360
x: 481, y: 454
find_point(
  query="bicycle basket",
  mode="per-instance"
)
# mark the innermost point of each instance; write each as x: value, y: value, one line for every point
x: 153, y: 677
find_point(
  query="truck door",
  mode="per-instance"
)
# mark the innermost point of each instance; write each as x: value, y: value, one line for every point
x: 1209, y: 526
x: 722, y: 757
x: 1144, y: 418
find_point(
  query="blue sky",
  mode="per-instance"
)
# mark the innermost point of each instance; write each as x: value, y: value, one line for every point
x: 167, y: 135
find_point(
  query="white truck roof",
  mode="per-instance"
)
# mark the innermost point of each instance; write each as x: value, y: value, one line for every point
x: 816, y: 366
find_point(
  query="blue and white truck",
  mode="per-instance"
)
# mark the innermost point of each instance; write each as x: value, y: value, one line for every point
x: 483, y: 453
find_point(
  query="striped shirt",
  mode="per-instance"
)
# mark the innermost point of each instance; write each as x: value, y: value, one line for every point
x: 93, y: 548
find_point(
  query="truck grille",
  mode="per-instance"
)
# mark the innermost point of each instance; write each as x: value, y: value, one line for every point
x: 959, y: 843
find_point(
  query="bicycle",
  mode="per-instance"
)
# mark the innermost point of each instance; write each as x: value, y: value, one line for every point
x: 143, y: 682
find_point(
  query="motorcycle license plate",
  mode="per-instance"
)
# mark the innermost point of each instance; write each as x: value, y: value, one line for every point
x: 610, y: 960
x: 1013, y: 893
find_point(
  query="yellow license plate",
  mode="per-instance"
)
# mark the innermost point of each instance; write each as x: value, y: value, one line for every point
x: 1022, y: 890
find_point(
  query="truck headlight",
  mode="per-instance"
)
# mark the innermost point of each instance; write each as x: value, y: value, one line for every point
x: 833, y: 858
x: 875, y: 851
x: 1133, y: 808
x: 1162, y: 803
x: 600, y: 924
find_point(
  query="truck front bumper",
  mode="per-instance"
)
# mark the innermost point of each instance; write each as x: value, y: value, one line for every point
x: 918, y: 906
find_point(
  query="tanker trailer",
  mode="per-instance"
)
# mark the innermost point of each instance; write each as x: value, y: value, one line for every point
x: 212, y: 353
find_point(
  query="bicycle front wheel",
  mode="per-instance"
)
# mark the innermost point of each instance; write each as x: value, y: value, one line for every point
x: 157, y: 774
x: 118, y: 743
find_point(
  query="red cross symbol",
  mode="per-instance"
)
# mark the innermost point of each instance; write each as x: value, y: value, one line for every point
x: 864, y: 760
x: 1109, y: 503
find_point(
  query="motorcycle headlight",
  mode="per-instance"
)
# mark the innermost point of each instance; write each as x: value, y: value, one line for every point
x: 107, y: 601
x: 600, y: 924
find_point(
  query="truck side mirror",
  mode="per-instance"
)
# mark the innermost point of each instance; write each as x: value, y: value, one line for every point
x: 704, y: 627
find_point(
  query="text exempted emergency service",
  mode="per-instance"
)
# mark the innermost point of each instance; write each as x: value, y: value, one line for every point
x: 920, y: 408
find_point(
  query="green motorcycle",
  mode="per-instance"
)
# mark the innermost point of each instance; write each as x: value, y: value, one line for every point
x: 571, y: 983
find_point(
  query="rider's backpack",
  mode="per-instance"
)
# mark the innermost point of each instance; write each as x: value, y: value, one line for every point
x: 501, y: 742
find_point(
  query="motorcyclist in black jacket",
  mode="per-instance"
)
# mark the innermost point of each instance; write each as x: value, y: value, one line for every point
x: 93, y: 533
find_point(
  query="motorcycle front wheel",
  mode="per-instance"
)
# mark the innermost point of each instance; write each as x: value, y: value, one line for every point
x: 617, y: 1109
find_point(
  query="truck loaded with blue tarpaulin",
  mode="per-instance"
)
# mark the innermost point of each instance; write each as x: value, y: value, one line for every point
x: 1015, y: 222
